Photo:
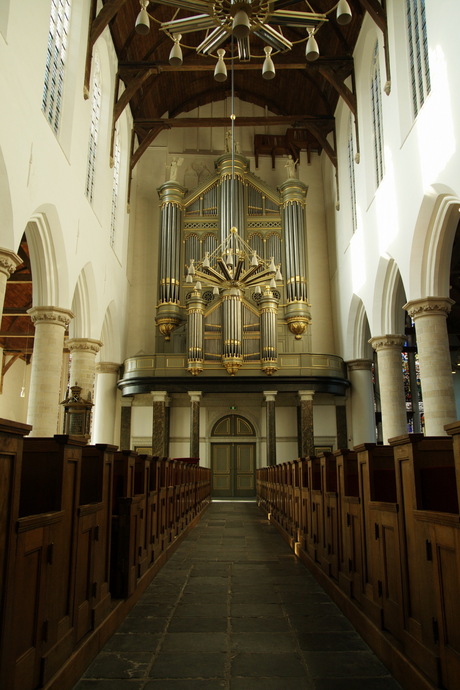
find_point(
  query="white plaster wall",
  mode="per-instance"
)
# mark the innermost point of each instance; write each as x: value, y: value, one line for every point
x: 45, y: 174
x: 421, y: 162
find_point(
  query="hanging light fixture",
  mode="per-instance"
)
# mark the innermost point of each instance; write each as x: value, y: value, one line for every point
x: 239, y: 20
x: 343, y: 13
x: 268, y: 68
x: 240, y: 25
x: 143, y: 20
x: 220, y: 71
x: 175, y: 56
x: 312, y: 50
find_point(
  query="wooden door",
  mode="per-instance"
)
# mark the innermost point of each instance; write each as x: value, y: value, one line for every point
x: 233, y: 469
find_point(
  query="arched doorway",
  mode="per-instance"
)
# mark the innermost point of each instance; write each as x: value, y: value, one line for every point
x: 233, y: 458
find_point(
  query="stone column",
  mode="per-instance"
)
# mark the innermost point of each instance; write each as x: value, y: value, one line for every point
x: 125, y: 428
x: 362, y: 401
x: 306, y: 436
x: 271, y: 426
x: 341, y: 423
x: 391, y: 384
x: 105, y: 401
x: 429, y: 315
x: 195, y: 397
x: 83, y: 364
x: 160, y: 428
x: 45, y: 379
x: 9, y: 261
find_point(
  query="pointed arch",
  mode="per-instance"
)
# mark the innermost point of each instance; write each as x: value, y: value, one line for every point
x: 432, y: 243
x: 84, y: 305
x: 111, y: 345
x: 358, y: 331
x: 389, y: 299
x: 47, y: 252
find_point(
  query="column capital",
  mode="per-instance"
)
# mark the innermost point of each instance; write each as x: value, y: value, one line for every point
x: 270, y: 395
x: 387, y: 342
x: 429, y: 306
x: 160, y: 396
x: 359, y: 364
x: 84, y: 345
x: 195, y: 396
x: 9, y: 261
x: 51, y: 315
x: 107, y: 367
x: 306, y: 396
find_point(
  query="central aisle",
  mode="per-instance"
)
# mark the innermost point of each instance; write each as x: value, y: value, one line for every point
x: 234, y: 609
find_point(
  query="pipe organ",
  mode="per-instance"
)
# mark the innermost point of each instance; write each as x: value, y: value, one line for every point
x: 232, y: 270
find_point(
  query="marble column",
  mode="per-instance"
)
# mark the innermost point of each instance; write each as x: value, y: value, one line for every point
x: 83, y: 364
x: 429, y: 315
x: 9, y: 261
x: 105, y: 402
x: 362, y: 401
x: 45, y: 379
x: 306, y: 436
x: 195, y: 398
x: 125, y: 427
x: 391, y: 384
x: 270, y: 397
x: 160, y: 428
x: 341, y: 423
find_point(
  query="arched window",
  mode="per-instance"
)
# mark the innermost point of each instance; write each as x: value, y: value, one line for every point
x: 115, y: 186
x: 418, y: 53
x: 351, y: 173
x: 53, y: 86
x: 377, y: 122
x: 96, y: 97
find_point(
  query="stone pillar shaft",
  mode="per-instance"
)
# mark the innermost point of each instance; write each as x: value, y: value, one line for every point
x: 160, y: 429
x: 50, y: 324
x: 195, y: 397
x: 429, y: 315
x: 391, y: 384
x: 83, y: 366
x: 306, y: 436
x: 362, y: 401
x: 105, y: 401
x: 271, y: 426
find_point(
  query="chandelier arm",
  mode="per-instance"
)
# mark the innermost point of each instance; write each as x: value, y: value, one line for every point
x: 253, y: 270
x: 238, y: 269
x: 210, y: 273
x: 224, y: 269
x: 258, y: 278
x: 205, y: 277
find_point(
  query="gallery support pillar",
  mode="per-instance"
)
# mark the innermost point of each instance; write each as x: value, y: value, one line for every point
x: 160, y: 427
x: 429, y: 315
x: 362, y: 401
x: 306, y: 435
x: 270, y: 397
x: 195, y: 398
x: 105, y: 401
x: 45, y: 379
x: 391, y: 384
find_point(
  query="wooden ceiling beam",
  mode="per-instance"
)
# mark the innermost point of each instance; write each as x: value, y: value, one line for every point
x: 97, y: 24
x: 271, y: 120
x: 205, y: 65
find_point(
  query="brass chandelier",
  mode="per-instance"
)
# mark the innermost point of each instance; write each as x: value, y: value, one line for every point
x: 240, y: 19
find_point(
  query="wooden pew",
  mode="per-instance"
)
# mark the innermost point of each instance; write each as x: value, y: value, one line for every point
x: 328, y: 554
x: 92, y: 576
x: 11, y: 447
x: 45, y: 568
x: 305, y: 508
x: 383, y: 597
x: 350, y: 524
x: 429, y: 536
x: 315, y: 535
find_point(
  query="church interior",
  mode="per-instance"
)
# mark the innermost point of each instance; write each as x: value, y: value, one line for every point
x: 229, y: 275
